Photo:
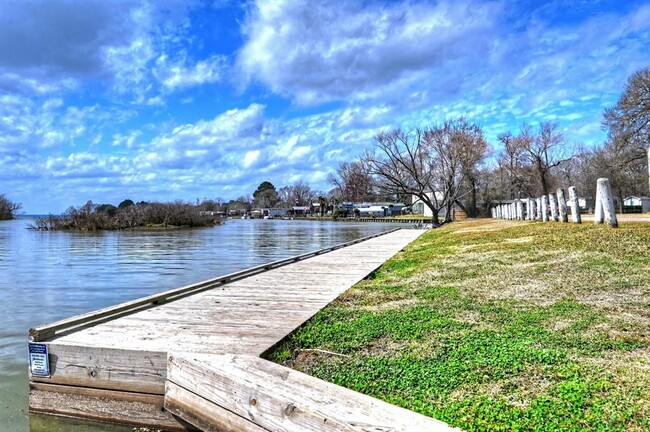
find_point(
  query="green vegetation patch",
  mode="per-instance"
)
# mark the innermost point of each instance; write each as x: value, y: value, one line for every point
x: 493, y: 325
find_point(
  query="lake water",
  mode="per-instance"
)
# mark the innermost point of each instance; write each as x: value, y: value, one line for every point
x: 47, y: 276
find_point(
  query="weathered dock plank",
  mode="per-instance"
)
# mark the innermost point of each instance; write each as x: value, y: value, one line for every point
x: 136, y: 409
x: 279, y: 399
x: 139, y: 371
x: 205, y: 415
x: 193, y: 323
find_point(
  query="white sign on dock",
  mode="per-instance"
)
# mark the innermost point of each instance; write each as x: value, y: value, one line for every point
x: 39, y: 362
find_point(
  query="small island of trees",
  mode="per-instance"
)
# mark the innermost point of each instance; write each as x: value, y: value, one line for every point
x: 92, y: 217
x: 8, y: 208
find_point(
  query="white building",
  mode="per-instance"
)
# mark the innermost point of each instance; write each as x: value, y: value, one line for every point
x: 379, y: 209
x: 634, y: 201
x: 420, y: 208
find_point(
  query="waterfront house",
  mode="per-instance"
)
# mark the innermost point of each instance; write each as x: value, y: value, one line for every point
x: 299, y: 211
x: 419, y: 208
x: 633, y: 204
x: 379, y: 209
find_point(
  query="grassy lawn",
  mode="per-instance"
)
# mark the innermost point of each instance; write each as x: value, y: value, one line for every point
x: 496, y: 325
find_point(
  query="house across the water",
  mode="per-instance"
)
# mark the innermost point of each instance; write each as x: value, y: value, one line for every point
x: 634, y: 204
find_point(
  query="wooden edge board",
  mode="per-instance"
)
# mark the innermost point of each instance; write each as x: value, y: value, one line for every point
x: 203, y: 414
x: 106, y: 368
x: 47, y: 331
x: 281, y: 399
x: 105, y: 406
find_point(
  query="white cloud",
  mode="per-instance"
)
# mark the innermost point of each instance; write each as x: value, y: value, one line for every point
x: 37, y: 56
x: 180, y: 75
x: 229, y: 129
x: 129, y: 140
x: 216, y: 143
x: 250, y: 158
x: 315, y: 52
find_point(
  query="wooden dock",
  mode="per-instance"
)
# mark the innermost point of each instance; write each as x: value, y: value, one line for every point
x: 188, y: 359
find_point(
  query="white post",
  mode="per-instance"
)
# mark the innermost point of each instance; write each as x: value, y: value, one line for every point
x: 561, y: 201
x: 531, y: 215
x: 492, y: 212
x: 552, y: 203
x: 607, y: 202
x: 520, y: 210
x: 598, y: 207
x: 538, y: 208
x: 544, y: 208
x: 649, y: 165
x: 575, y: 205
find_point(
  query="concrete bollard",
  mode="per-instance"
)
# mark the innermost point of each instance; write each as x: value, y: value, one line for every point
x: 598, y: 207
x: 575, y: 205
x: 607, y: 201
x: 552, y: 203
x: 532, y: 209
x: 527, y: 209
x: 561, y: 203
x: 544, y: 208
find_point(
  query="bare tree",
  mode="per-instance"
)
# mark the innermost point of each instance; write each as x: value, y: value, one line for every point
x: 514, y: 169
x: 430, y: 164
x: 473, y: 149
x: 407, y: 165
x: 629, y: 120
x: 458, y: 146
x: 628, y: 124
x: 543, y: 152
x: 353, y: 181
x: 299, y: 193
x: 627, y: 173
x: 8, y: 208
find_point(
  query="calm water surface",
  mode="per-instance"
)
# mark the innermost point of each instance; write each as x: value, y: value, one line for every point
x: 46, y: 276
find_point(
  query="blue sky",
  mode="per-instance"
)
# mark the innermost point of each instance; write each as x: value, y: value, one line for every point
x: 168, y: 100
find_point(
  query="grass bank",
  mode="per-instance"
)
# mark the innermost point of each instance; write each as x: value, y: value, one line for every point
x: 495, y: 325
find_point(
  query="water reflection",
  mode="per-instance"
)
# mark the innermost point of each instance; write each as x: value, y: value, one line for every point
x: 46, y: 276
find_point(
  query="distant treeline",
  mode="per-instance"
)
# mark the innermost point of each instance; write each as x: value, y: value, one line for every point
x: 91, y: 217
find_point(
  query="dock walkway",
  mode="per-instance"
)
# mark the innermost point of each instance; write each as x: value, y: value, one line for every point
x: 115, y: 368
